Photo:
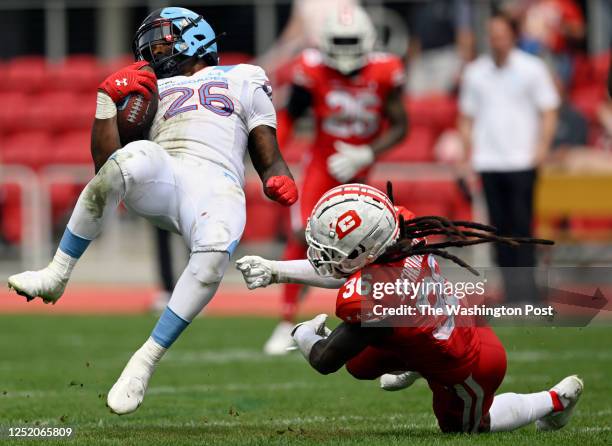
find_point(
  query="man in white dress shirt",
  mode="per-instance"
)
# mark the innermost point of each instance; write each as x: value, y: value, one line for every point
x: 508, y: 114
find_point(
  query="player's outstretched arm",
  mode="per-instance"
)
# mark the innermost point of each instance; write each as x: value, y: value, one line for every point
x: 259, y: 273
x: 271, y: 167
x: 328, y: 353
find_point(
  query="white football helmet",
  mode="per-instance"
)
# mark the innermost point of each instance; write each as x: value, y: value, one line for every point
x: 349, y: 228
x: 347, y: 37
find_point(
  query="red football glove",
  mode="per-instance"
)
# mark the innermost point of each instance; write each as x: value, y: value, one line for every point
x: 130, y: 79
x: 281, y: 189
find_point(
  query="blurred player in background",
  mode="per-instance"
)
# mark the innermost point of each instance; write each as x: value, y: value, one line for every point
x: 356, y: 98
x: 464, y: 363
x: 188, y: 178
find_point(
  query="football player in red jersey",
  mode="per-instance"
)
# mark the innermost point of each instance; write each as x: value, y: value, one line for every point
x: 355, y: 95
x: 357, y: 226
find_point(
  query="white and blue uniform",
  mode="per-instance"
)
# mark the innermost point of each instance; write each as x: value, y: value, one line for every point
x: 189, y: 177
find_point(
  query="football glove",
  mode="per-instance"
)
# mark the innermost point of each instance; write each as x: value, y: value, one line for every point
x: 128, y: 80
x: 306, y: 334
x: 256, y: 271
x: 281, y: 189
x: 316, y: 325
x: 348, y: 160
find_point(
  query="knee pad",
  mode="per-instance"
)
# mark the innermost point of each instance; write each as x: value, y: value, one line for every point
x: 208, y: 267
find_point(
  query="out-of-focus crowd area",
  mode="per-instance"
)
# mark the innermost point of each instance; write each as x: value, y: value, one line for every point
x: 55, y: 56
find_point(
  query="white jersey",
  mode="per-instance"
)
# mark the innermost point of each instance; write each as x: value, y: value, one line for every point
x: 209, y: 114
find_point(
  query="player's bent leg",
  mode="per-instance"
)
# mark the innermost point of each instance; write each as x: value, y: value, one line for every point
x: 97, y: 201
x: 371, y: 363
x: 194, y: 289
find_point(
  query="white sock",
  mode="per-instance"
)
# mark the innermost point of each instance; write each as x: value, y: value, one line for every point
x: 510, y: 411
x: 62, y: 264
x: 145, y: 359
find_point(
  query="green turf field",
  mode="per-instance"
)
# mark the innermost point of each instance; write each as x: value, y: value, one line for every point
x: 215, y: 387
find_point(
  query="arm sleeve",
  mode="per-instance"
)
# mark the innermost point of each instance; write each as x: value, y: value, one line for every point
x: 544, y: 92
x: 302, y: 272
x: 345, y: 342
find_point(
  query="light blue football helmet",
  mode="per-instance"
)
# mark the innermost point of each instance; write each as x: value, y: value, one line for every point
x: 168, y: 37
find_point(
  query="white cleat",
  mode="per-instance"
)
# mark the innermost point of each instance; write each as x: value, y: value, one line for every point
x: 280, y: 342
x: 398, y: 380
x: 45, y: 283
x: 569, y: 391
x: 126, y: 395
x: 128, y: 392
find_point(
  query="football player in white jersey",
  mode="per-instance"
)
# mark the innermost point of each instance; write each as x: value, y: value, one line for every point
x: 188, y: 177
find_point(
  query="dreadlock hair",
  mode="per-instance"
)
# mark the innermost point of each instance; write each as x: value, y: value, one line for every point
x: 458, y: 233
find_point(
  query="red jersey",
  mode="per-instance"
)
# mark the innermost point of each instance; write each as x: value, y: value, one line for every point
x: 443, y: 348
x: 347, y: 108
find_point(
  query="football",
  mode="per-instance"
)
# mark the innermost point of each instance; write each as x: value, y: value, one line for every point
x: 135, y: 115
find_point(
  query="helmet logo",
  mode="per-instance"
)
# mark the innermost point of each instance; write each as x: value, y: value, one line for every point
x: 347, y: 223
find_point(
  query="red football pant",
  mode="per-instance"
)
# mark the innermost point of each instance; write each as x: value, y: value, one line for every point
x: 462, y: 407
x: 316, y: 182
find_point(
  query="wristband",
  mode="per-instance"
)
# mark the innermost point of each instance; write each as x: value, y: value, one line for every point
x: 105, y: 107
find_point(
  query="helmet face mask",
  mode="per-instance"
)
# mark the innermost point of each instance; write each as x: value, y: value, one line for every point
x: 181, y: 34
x: 349, y: 228
x: 348, y: 37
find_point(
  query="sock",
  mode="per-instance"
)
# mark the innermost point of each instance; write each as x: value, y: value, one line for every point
x: 143, y: 362
x: 510, y: 411
x: 194, y: 289
x: 168, y: 328
x: 556, y: 401
x: 73, y: 245
x: 62, y: 263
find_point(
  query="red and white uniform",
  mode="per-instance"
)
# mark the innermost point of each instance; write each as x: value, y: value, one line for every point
x: 463, y: 363
x: 345, y: 108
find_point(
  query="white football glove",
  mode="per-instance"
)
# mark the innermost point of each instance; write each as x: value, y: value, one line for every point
x: 256, y: 271
x: 348, y: 160
x: 308, y: 333
x: 316, y: 324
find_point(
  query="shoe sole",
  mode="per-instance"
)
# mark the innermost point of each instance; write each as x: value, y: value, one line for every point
x: 29, y: 297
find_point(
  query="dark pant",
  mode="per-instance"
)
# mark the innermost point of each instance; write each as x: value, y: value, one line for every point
x: 509, y: 198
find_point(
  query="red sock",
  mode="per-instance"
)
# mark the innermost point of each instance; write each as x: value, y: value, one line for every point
x: 557, y: 404
x: 295, y: 250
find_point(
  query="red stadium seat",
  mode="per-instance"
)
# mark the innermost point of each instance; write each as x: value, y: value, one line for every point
x: 430, y: 198
x: 416, y: 147
x: 110, y: 66
x: 30, y: 149
x: 13, y: 111
x: 80, y: 73
x: 263, y: 215
x: 11, y: 213
x: 438, y: 112
x: 72, y: 147
x: 26, y: 73
x: 62, y: 110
